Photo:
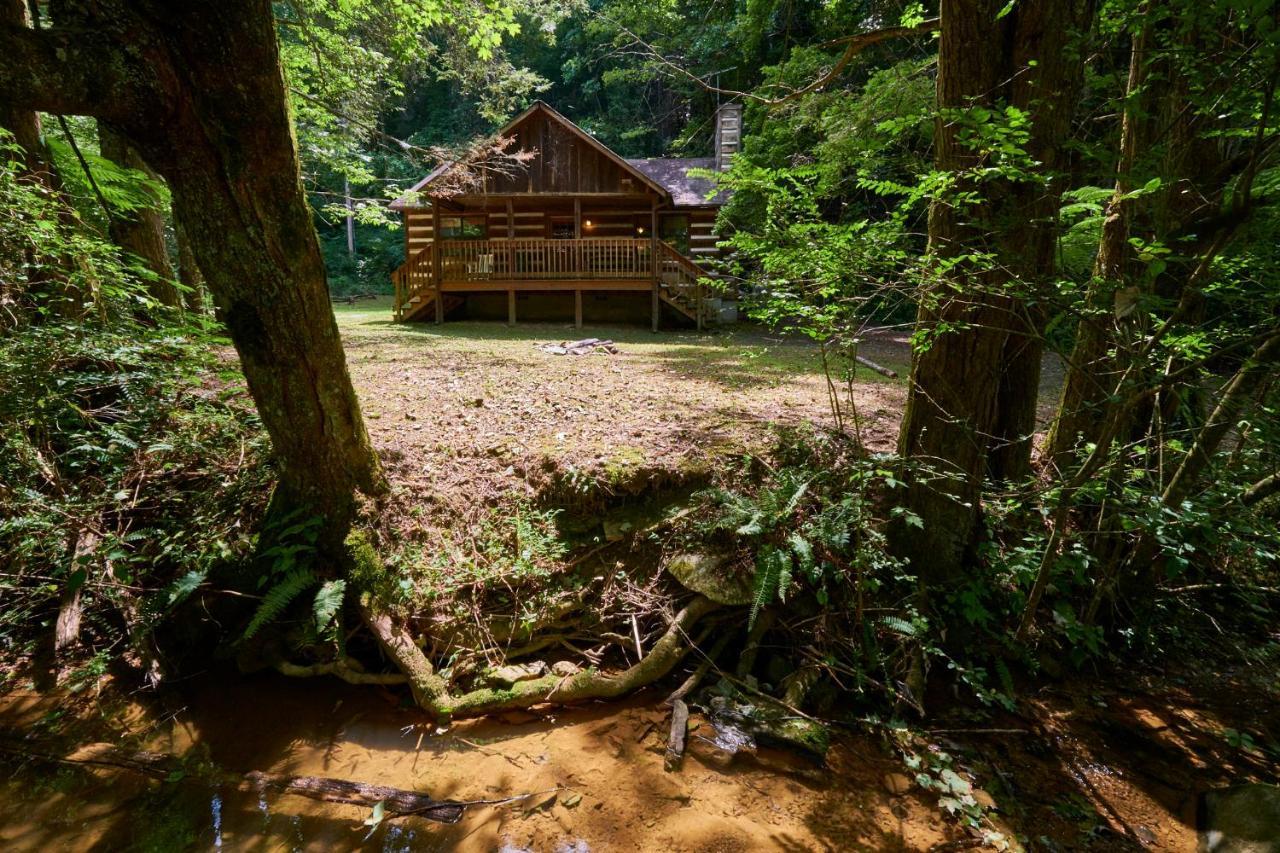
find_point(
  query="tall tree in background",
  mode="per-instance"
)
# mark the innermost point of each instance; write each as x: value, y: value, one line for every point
x: 140, y: 232
x: 1003, y: 113
x: 23, y: 122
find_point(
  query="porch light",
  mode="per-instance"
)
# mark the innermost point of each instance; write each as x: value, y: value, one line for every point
x: 587, y: 223
x: 640, y: 230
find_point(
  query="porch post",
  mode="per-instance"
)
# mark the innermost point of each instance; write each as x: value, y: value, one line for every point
x: 511, y: 307
x: 653, y: 257
x: 577, y: 309
x: 435, y: 259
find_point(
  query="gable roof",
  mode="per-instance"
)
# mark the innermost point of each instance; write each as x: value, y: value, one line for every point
x: 625, y: 165
x: 685, y: 190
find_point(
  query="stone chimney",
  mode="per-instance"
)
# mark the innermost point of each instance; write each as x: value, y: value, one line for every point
x: 728, y: 134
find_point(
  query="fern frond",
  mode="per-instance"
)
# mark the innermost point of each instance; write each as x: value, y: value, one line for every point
x: 772, y: 566
x: 898, y: 625
x: 180, y: 589
x: 278, y: 598
x: 327, y: 603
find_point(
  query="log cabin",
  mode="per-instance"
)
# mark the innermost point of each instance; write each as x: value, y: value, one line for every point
x: 565, y: 222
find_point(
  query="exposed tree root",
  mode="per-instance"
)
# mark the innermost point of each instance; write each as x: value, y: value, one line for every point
x: 345, y: 668
x: 431, y: 692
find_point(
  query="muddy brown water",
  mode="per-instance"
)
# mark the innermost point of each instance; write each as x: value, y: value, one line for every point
x: 599, y: 768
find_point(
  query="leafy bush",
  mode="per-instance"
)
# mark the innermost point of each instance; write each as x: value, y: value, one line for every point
x: 127, y: 466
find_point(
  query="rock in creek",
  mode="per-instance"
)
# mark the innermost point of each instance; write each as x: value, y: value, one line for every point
x: 709, y: 575
x: 741, y: 721
x: 1241, y: 819
x: 505, y: 676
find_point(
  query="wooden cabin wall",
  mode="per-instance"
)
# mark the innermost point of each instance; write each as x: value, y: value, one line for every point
x: 702, y: 236
x: 616, y: 221
x: 566, y: 163
x: 417, y: 230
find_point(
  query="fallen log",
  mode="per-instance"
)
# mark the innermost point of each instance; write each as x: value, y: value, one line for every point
x: 395, y: 801
x: 882, y: 370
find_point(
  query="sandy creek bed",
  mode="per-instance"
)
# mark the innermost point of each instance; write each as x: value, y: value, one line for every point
x: 611, y: 755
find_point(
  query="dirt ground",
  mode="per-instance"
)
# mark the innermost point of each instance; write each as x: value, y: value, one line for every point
x: 467, y: 414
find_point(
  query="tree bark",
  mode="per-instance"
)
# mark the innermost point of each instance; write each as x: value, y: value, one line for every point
x: 140, y: 232
x: 189, y: 272
x: 972, y: 397
x: 197, y: 88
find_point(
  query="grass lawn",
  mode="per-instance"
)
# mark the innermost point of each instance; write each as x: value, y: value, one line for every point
x: 468, y: 415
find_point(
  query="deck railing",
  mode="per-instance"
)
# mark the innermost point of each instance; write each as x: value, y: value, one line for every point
x: 524, y: 259
x: 609, y: 258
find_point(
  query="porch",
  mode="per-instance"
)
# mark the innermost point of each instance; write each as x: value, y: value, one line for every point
x: 432, y: 282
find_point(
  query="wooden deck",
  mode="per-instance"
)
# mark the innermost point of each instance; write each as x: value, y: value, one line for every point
x: 431, y: 282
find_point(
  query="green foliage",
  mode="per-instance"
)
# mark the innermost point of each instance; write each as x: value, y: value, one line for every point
x: 120, y: 437
x: 285, y: 587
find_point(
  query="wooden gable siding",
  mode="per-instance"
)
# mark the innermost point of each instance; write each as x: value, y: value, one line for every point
x: 563, y: 163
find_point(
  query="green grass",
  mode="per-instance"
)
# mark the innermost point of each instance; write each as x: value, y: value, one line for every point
x: 740, y: 356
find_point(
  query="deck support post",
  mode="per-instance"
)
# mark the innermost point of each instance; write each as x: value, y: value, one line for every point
x: 511, y: 307
x: 653, y: 257
x: 435, y: 259
x: 577, y: 309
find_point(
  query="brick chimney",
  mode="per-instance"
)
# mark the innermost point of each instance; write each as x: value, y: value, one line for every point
x: 728, y: 134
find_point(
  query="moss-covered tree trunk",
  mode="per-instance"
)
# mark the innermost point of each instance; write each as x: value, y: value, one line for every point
x: 972, y: 397
x: 197, y: 88
x: 140, y: 232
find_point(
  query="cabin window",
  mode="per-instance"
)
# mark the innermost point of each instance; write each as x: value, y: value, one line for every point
x: 674, y: 230
x: 462, y: 227
x: 562, y: 228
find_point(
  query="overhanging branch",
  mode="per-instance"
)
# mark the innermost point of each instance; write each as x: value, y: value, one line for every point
x: 64, y: 71
x: 853, y: 45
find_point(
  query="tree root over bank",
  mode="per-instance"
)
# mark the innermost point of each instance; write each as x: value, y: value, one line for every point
x: 431, y: 692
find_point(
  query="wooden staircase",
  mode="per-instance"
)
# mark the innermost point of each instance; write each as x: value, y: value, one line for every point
x: 415, y: 289
x: 680, y: 283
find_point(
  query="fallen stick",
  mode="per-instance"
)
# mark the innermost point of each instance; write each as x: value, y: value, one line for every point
x: 675, y: 741
x: 882, y: 370
x: 156, y: 765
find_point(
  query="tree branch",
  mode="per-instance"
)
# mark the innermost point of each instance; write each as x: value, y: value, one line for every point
x: 65, y: 71
x: 853, y: 45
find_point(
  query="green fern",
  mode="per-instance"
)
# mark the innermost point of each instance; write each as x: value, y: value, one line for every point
x: 180, y: 589
x: 279, y: 596
x: 328, y: 601
x: 898, y: 625
x: 773, y: 576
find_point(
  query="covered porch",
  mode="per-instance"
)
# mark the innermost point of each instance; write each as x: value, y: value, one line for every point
x: 583, y: 243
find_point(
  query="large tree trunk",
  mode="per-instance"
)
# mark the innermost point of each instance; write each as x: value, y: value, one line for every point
x: 197, y: 89
x: 140, y: 232
x: 973, y: 388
